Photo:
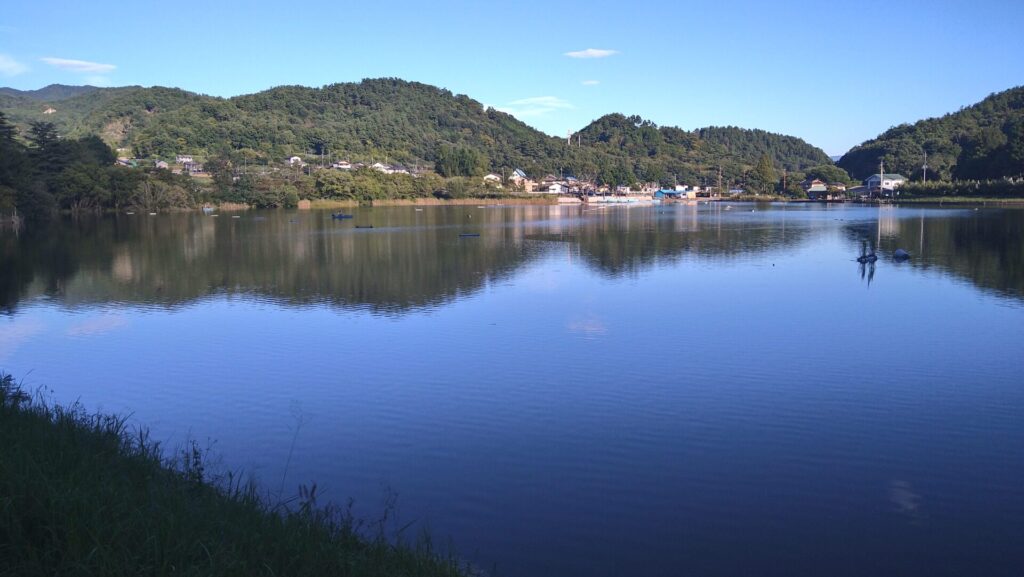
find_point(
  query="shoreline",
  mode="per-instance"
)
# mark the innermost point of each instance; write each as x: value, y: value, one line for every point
x: 84, y: 491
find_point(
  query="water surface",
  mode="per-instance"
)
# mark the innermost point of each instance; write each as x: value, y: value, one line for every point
x: 654, y: 390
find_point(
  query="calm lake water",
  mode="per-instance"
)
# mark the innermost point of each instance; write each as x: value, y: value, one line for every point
x: 654, y: 391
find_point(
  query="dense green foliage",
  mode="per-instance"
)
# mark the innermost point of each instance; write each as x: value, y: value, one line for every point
x: 1003, y: 188
x: 52, y: 173
x: 983, y: 141
x: 417, y: 124
x: 81, y: 494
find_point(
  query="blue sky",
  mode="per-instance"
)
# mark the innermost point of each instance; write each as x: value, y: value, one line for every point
x: 833, y: 73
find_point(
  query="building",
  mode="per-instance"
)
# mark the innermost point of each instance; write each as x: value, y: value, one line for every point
x: 296, y: 161
x: 884, y: 185
x: 162, y: 164
x: 342, y: 165
x: 183, y: 158
x: 814, y: 186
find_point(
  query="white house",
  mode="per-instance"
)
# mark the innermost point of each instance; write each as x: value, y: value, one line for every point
x: 183, y: 158
x: 342, y: 165
x: 888, y: 182
x: 381, y: 167
x: 492, y: 178
x: 814, y: 186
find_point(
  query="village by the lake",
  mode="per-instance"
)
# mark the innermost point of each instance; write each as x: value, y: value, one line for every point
x: 533, y: 289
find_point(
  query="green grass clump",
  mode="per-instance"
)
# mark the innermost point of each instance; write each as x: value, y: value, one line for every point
x: 81, y: 494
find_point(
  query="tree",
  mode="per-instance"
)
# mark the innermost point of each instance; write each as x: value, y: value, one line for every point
x: 764, y: 177
x: 828, y: 173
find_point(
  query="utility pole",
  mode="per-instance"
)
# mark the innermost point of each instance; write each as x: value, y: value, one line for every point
x: 925, y: 167
x: 881, y: 176
x: 719, y: 180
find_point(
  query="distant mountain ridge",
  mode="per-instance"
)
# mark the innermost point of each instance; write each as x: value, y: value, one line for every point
x: 51, y: 93
x: 396, y: 120
x: 981, y: 141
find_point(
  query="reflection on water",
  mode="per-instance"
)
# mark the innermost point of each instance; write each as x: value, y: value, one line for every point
x: 660, y: 390
x: 414, y: 259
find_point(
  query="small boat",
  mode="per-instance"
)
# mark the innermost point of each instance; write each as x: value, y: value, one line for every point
x: 364, y: 226
x: 340, y: 216
x: 468, y: 234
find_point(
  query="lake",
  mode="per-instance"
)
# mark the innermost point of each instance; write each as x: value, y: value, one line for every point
x: 708, y: 389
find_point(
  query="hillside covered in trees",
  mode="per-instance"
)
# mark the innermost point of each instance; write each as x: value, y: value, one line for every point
x: 397, y: 121
x: 981, y: 142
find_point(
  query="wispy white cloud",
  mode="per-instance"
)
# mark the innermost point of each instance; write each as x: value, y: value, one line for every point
x: 592, y: 53
x: 591, y: 82
x: 82, y: 66
x: 535, y: 106
x: 16, y: 333
x: 11, y: 67
x: 96, y: 80
x: 97, y: 326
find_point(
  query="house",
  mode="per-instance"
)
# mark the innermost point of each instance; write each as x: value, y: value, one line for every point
x: 381, y: 167
x: 884, y: 184
x: 342, y: 165
x: 192, y: 167
x: 836, y: 187
x: 398, y: 169
x: 296, y: 161
x: 162, y: 164
x: 183, y: 158
x: 814, y: 186
x: 49, y: 110
x: 518, y: 175
x: 622, y: 189
x: 492, y: 179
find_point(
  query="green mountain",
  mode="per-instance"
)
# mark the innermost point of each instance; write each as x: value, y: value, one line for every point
x: 51, y: 93
x: 398, y: 121
x: 983, y: 141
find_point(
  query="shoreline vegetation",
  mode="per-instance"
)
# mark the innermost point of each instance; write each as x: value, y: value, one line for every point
x: 85, y: 494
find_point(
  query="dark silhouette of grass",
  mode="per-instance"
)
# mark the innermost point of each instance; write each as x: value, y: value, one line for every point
x: 83, y: 494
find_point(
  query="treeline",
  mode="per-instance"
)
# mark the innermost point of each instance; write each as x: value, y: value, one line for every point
x: 50, y: 173
x: 981, y: 142
x: 1002, y: 188
x: 392, y: 120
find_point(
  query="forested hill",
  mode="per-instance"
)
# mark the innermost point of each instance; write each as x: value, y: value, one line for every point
x: 983, y: 141
x: 393, y: 120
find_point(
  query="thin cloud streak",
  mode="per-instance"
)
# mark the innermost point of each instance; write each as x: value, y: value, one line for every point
x: 11, y: 67
x: 592, y: 53
x: 83, y: 66
x: 591, y: 82
x: 535, y: 106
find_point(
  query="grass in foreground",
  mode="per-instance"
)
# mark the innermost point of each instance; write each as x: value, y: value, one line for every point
x: 82, y: 495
